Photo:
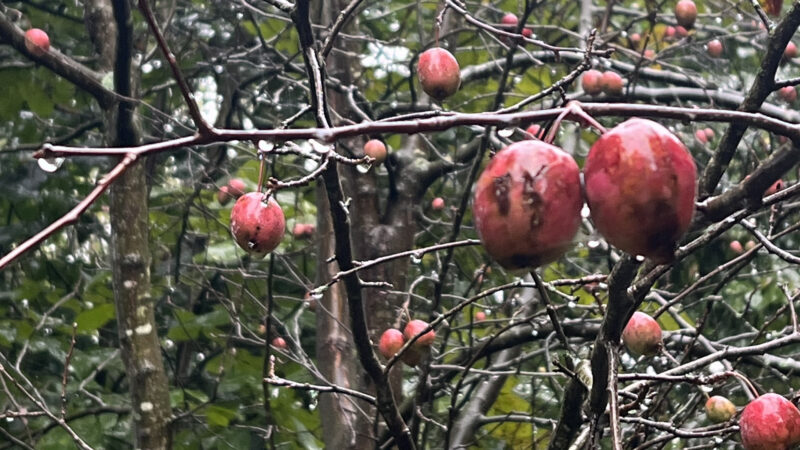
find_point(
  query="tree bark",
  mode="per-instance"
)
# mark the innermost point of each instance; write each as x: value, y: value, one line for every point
x: 130, y: 256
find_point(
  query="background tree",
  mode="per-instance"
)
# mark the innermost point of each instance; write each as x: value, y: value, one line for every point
x: 134, y: 320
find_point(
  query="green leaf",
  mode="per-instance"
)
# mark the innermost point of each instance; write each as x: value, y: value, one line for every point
x: 95, y: 318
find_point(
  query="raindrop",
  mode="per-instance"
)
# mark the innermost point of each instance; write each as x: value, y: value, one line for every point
x: 506, y: 132
x: 50, y: 165
x: 364, y: 167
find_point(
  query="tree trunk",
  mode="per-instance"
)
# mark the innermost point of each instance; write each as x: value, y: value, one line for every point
x: 130, y: 256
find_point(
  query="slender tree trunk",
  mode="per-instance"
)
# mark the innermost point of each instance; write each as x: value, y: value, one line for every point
x: 349, y: 424
x: 130, y: 257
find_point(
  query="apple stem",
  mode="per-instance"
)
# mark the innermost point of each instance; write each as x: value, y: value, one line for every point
x: 261, y: 169
x: 747, y: 382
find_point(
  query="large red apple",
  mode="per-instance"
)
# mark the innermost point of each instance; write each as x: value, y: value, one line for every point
x: 257, y: 225
x: 390, y: 343
x: 37, y: 42
x: 527, y: 204
x: 642, y: 335
x: 686, y: 13
x: 640, y: 186
x: 770, y: 422
x: 438, y: 73
x: 414, y: 328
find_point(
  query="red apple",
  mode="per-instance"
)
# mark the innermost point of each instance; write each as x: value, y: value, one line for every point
x: 438, y: 73
x: 591, y: 82
x: 376, y: 149
x: 790, y: 51
x: 736, y: 247
x: 640, y: 186
x: 234, y: 189
x: 774, y: 188
x: 642, y: 335
x: 787, y: 94
x: 437, y: 204
x: 535, y: 130
x: 770, y: 422
x: 709, y: 133
x: 750, y: 245
x: 480, y: 316
x: 237, y: 187
x: 510, y: 21
x: 257, y: 225
x: 719, y: 409
x: 37, y: 42
x: 686, y: 13
x: 390, y: 343
x: 669, y: 32
x: 635, y: 38
x: 303, y: 230
x: 527, y: 204
x: 681, y: 31
x: 223, y: 196
x: 279, y: 342
x: 414, y: 328
x: 649, y: 54
x: 611, y: 83
x: 701, y: 136
x: 714, y: 48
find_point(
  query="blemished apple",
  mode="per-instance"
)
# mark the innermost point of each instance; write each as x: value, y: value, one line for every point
x: 37, y: 42
x: 686, y: 13
x: 770, y: 422
x: 439, y: 73
x: 391, y: 342
x: 257, y: 224
x: 714, y: 48
x: 376, y: 149
x: 642, y: 335
x: 437, y: 204
x: 527, y: 204
x: 414, y: 328
x: 611, y: 83
x: 279, y: 342
x: 640, y: 184
x: 719, y: 409
x: 591, y: 82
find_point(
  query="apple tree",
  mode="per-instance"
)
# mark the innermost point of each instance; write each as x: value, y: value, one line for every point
x: 349, y: 224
